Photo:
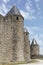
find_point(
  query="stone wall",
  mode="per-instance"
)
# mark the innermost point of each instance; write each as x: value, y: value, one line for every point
x: 34, y: 50
x: 19, y: 38
x: 11, y: 38
x: 6, y: 40
x: 37, y: 57
x: 26, y: 47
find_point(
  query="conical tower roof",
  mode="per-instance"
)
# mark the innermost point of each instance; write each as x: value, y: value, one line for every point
x: 14, y: 11
x: 34, y: 42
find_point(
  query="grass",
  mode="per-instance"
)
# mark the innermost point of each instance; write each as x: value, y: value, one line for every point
x: 41, y: 58
x: 8, y: 63
x: 21, y: 62
x: 17, y: 63
x: 13, y: 63
x: 33, y: 61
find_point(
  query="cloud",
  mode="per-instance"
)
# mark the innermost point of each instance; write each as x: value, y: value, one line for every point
x: 37, y: 4
x: 26, y: 15
x: 3, y: 9
x: 29, y: 7
x: 29, y: 30
x: 29, y: 12
x: 33, y: 30
x: 19, y: 0
x: 37, y: 0
x: 38, y: 9
x: 34, y: 13
x: 6, y: 1
x: 38, y: 37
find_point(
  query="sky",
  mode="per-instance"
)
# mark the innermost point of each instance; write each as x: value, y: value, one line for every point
x: 32, y: 11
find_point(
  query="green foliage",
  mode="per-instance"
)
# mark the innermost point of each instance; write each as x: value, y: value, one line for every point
x: 12, y: 63
x: 21, y: 62
x: 33, y: 61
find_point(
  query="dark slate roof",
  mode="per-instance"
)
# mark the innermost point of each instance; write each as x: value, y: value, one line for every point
x: 34, y: 42
x: 14, y: 11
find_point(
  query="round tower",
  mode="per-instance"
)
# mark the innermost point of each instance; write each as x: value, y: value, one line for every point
x: 15, y: 23
x: 26, y: 45
x: 34, y: 49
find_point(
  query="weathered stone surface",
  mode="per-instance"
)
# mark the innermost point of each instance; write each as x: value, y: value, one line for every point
x: 34, y: 49
x: 11, y: 38
x: 14, y: 41
x: 26, y: 47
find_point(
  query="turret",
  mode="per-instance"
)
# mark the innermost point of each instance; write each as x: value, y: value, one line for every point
x: 26, y: 45
x: 15, y: 22
x: 34, y: 49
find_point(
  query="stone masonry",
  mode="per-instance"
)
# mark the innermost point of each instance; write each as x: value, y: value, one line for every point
x: 14, y: 40
x: 26, y: 46
x: 34, y: 49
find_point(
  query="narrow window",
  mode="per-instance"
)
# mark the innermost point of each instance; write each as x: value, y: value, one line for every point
x: 17, y: 18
